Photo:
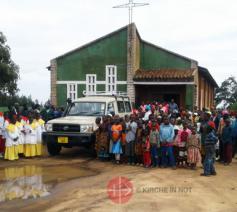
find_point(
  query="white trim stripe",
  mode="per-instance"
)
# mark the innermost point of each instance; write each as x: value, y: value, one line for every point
x: 68, y: 82
x: 163, y: 83
x: 121, y: 82
x: 84, y: 82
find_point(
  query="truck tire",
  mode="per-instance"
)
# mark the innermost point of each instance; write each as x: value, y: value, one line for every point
x: 53, y: 148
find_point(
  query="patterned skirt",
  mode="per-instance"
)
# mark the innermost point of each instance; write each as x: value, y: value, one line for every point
x: 194, y: 155
x: 182, y: 154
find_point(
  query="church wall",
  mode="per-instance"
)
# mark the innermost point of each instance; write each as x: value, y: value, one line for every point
x: 153, y: 58
x: 122, y: 88
x: 61, y: 95
x: 92, y: 59
x: 206, y: 91
x: 189, y: 97
x: 80, y: 89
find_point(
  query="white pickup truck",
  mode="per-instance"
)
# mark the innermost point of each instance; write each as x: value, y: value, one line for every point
x: 77, y: 126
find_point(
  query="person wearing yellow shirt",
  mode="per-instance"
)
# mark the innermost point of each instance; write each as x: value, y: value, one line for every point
x: 12, y: 138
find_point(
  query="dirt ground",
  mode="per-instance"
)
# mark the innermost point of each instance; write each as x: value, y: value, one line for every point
x: 75, y: 182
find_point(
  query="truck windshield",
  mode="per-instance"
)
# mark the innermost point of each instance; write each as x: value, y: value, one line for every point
x: 87, y: 109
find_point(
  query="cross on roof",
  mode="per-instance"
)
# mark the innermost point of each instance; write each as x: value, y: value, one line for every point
x: 130, y: 7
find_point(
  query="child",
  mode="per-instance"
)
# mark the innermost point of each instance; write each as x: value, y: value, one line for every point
x: 226, y: 137
x: 12, y: 137
x: 146, y: 150
x: 116, y: 137
x: 130, y: 140
x: 193, y: 148
x: 209, y: 147
x: 182, y: 142
x: 175, y: 143
x: 155, y: 144
x: 138, y: 144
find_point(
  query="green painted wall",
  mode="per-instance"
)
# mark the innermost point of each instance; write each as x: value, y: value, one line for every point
x: 189, y: 96
x: 80, y: 89
x: 93, y: 59
x: 153, y: 58
x: 122, y: 88
x: 62, y: 97
x: 100, y: 88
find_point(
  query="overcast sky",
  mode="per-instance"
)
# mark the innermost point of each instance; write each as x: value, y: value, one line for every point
x: 37, y: 31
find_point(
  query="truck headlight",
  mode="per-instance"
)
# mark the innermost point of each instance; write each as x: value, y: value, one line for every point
x: 49, y: 127
x: 86, y: 128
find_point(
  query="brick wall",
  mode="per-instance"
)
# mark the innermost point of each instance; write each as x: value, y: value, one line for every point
x: 131, y: 60
x: 53, y: 80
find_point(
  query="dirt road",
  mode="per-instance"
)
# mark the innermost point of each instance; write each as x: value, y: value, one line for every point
x: 75, y: 182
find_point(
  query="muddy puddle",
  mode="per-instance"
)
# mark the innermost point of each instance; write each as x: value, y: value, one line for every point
x: 31, y: 182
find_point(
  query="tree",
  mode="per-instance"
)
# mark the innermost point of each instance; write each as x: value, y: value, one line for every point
x: 227, y: 91
x: 9, y: 71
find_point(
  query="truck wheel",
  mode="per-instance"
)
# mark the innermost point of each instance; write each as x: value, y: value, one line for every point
x: 53, y: 148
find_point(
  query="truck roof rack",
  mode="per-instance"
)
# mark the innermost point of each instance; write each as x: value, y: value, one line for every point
x: 104, y: 93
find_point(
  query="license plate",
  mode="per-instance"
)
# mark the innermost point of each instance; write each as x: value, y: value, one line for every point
x: 63, y: 140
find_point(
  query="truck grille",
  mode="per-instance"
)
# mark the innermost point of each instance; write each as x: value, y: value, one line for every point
x: 66, y: 128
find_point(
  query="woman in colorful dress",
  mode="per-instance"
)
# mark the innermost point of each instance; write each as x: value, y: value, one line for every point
x: 193, y: 148
x: 138, y: 144
x: 104, y: 142
x: 116, y: 137
x: 12, y: 137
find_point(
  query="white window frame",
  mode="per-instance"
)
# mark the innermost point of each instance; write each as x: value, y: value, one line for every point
x: 111, y: 79
x: 72, y: 93
x: 91, y: 83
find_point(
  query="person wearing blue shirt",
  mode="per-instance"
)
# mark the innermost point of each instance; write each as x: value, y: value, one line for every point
x: 209, y: 145
x: 166, y: 141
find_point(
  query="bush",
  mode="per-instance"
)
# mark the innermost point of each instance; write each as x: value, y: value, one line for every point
x: 234, y: 106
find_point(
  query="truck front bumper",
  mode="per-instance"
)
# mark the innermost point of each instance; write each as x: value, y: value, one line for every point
x: 74, y: 139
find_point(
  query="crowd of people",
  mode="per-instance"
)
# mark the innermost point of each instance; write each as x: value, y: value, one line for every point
x: 21, y: 136
x: 154, y: 135
x: 162, y: 135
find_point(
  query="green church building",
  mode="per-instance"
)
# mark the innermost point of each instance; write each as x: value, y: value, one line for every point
x: 123, y: 62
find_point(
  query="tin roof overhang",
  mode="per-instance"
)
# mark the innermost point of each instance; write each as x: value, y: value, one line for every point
x: 164, y: 75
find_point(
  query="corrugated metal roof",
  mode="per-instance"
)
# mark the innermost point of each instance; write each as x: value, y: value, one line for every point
x: 164, y: 74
